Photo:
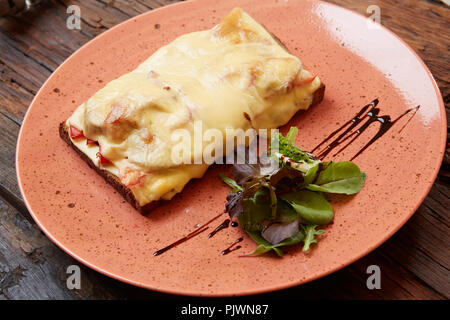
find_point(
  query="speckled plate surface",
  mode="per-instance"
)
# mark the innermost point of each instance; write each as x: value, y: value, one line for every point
x: 90, y: 221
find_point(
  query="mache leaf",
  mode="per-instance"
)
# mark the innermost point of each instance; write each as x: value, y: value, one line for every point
x: 312, y: 206
x: 285, y: 212
x: 310, y: 176
x: 339, y: 177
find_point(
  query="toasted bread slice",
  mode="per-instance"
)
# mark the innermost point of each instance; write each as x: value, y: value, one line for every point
x: 235, y: 75
x: 115, y: 182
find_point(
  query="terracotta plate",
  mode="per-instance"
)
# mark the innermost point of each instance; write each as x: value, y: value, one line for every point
x: 357, y: 61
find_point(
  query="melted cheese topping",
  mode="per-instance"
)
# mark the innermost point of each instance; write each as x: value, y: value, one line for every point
x: 235, y: 75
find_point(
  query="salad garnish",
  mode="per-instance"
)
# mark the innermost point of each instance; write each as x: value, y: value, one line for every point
x: 285, y: 204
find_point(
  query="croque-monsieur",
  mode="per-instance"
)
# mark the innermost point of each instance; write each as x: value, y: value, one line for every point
x: 235, y: 75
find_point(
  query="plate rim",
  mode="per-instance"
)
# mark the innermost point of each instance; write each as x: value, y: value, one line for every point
x: 267, y: 289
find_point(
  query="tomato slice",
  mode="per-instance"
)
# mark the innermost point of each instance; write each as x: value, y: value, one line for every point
x: 75, y: 133
x: 90, y: 141
x: 311, y: 79
x: 103, y: 160
x: 131, y: 177
x: 308, y: 81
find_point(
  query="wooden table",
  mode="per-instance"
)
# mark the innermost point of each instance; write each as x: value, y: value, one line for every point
x: 414, y: 262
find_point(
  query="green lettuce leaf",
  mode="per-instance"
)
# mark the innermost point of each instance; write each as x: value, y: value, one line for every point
x: 286, y: 147
x: 230, y: 182
x: 310, y: 233
x: 285, y: 212
x: 310, y: 176
x: 257, y: 209
x: 312, y: 206
x: 292, y: 134
x: 339, y: 177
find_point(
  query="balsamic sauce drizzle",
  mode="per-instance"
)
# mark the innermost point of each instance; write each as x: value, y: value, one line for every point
x: 356, y: 120
x: 222, y: 226
x: 187, y: 237
x: 232, y: 247
x: 369, y: 111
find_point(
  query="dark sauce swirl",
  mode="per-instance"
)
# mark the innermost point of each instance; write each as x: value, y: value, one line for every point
x: 187, y: 237
x: 232, y: 247
x: 346, y: 132
x: 222, y: 226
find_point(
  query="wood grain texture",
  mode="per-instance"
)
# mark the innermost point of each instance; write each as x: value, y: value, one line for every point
x: 414, y: 262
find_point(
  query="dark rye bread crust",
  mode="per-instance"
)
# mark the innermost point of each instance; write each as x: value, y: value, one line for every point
x: 108, y: 176
x: 115, y: 181
x: 318, y: 95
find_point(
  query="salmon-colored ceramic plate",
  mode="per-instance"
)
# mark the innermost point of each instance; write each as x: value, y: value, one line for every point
x: 356, y: 60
